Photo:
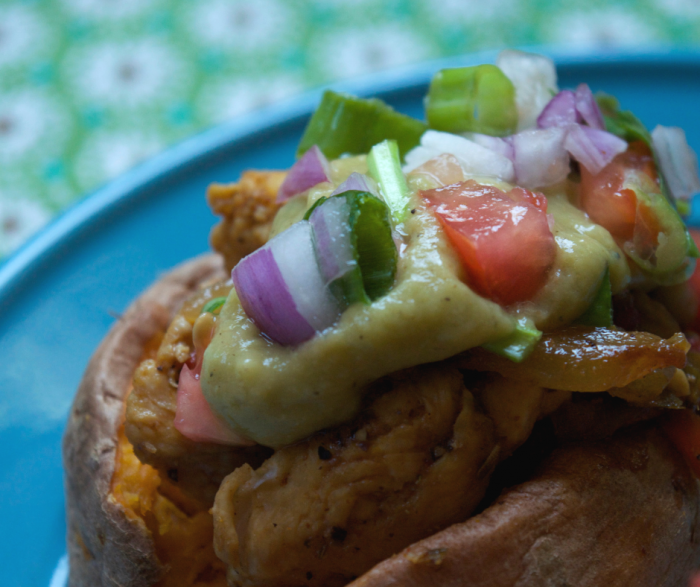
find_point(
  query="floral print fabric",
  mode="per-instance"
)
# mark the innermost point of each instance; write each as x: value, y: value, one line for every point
x: 88, y: 88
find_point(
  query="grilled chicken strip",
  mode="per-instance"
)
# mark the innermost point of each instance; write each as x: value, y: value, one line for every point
x: 325, y: 510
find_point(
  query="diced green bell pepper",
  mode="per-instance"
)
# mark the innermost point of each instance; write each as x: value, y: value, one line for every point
x: 344, y: 124
x: 472, y: 99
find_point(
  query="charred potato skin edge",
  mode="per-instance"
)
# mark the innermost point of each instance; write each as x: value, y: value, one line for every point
x: 105, y: 546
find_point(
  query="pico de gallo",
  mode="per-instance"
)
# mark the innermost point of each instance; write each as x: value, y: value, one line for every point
x: 515, y: 214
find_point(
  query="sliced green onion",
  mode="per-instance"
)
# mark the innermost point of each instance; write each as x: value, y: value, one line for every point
x: 600, y: 312
x: 359, y: 264
x: 213, y: 305
x: 472, y: 99
x: 385, y: 169
x: 519, y: 343
x: 346, y: 124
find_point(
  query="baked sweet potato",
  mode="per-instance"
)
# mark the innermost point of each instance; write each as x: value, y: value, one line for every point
x: 616, y: 512
x: 110, y: 541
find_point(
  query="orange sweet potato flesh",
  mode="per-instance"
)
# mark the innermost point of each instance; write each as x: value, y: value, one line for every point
x: 181, y: 531
x: 614, y: 513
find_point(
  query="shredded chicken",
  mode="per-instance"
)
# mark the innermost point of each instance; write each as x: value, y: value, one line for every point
x: 247, y: 209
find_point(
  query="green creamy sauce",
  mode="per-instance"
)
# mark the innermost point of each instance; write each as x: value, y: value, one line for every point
x: 584, y: 250
x: 277, y: 395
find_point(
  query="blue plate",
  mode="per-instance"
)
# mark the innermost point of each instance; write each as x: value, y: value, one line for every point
x: 63, y: 290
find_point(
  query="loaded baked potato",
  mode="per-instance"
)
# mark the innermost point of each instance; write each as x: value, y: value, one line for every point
x: 474, y: 369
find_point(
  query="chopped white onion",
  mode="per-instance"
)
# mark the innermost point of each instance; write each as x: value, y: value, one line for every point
x: 281, y: 288
x: 678, y: 162
x: 475, y: 159
x: 307, y: 172
x: 535, y: 81
x: 540, y: 158
x: 591, y: 147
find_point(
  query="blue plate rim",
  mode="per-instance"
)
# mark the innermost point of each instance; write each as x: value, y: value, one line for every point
x: 129, y: 186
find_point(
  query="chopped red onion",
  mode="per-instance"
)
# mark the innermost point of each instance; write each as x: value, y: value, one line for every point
x: 588, y: 109
x: 591, y: 147
x: 475, y: 159
x: 540, y: 158
x: 678, y: 162
x: 295, y: 256
x: 560, y: 111
x: 281, y: 288
x: 569, y: 107
x: 307, y: 172
x: 359, y: 182
x: 331, y: 226
x: 535, y: 80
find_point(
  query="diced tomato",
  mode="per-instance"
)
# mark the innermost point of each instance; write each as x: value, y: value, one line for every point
x: 683, y: 428
x: 194, y: 418
x: 609, y: 201
x: 518, y: 194
x: 503, y: 239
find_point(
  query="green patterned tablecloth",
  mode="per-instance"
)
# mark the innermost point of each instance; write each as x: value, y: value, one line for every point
x: 90, y: 87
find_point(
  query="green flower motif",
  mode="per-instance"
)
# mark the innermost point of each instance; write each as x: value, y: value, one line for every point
x: 89, y: 88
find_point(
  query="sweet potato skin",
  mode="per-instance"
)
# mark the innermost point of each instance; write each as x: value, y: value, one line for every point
x: 105, y: 546
x: 619, y: 512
